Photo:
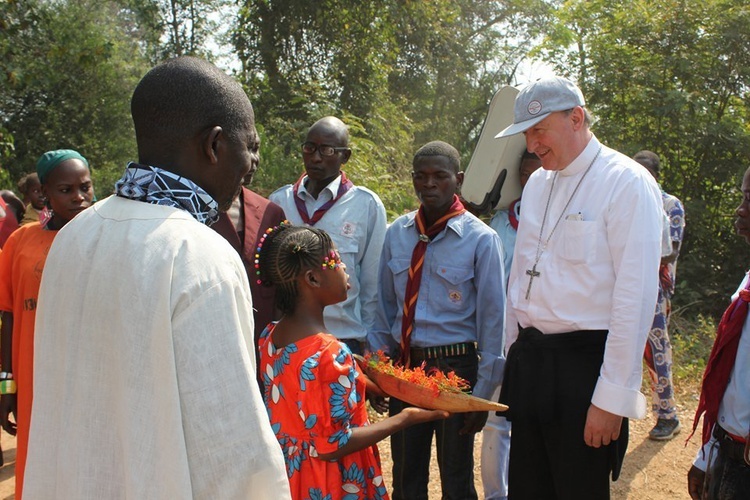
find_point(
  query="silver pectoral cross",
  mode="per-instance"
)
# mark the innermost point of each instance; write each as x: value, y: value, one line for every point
x: 533, y: 273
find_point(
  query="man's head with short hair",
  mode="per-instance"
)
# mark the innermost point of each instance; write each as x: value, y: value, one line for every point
x: 650, y: 160
x: 530, y: 163
x: 439, y: 148
x: 436, y: 178
x: 179, y: 98
x: 194, y: 120
x: 329, y: 134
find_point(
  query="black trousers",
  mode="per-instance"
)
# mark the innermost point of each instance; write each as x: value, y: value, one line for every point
x: 728, y: 477
x: 411, y: 448
x: 548, y: 384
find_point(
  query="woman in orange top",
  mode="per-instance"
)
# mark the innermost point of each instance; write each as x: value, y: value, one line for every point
x: 66, y: 184
x: 313, y: 389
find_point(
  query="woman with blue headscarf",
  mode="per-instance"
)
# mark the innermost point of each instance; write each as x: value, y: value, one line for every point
x: 66, y: 184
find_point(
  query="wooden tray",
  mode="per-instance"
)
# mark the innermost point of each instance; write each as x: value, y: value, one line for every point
x: 414, y: 394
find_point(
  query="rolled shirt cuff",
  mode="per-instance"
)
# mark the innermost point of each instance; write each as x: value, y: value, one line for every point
x: 619, y: 400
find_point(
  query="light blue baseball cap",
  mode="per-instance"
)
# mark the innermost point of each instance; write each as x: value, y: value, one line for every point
x: 540, y: 99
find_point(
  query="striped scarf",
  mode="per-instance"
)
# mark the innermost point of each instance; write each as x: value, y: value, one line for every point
x: 426, y: 234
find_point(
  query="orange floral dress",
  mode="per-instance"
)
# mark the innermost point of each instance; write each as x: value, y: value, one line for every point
x: 315, y: 395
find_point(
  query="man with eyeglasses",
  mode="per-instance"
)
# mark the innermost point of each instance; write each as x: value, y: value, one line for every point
x: 354, y: 216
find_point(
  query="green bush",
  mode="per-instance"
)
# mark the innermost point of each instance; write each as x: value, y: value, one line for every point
x: 692, y: 339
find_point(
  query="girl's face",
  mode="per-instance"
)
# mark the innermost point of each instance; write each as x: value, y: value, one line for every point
x: 35, y: 196
x: 334, y: 280
x: 68, y: 190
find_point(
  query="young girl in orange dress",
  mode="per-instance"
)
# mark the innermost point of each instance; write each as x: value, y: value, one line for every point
x: 66, y: 184
x: 313, y: 388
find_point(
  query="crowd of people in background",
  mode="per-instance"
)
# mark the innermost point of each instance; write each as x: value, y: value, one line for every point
x: 189, y: 338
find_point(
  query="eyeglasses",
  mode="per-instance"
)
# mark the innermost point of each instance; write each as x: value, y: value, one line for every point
x: 309, y: 148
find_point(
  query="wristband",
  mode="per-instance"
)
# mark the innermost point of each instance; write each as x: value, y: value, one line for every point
x: 6, y: 375
x: 8, y: 386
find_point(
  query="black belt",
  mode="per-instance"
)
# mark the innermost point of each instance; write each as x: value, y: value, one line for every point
x: 419, y: 354
x: 732, y: 449
x: 577, y: 338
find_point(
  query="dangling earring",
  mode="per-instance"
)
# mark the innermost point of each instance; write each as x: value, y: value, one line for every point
x: 46, y: 214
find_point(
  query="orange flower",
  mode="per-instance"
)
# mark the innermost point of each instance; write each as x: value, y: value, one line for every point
x: 434, y: 379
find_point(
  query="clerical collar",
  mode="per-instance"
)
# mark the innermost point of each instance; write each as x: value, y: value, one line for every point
x: 583, y: 160
x: 332, y: 187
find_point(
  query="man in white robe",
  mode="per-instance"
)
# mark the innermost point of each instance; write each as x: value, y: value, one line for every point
x: 144, y: 382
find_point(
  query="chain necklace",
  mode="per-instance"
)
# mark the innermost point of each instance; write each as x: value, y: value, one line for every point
x: 540, y: 248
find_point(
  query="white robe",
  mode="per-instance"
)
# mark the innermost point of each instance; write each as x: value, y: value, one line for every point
x: 144, y: 379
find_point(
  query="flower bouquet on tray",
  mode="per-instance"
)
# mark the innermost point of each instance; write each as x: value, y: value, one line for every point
x: 431, y: 389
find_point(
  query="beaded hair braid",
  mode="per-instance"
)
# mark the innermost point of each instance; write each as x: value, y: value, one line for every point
x: 284, y: 253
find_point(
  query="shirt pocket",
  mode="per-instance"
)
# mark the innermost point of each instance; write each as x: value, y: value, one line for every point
x: 348, y: 249
x: 578, y: 243
x: 453, y: 287
x: 400, y: 270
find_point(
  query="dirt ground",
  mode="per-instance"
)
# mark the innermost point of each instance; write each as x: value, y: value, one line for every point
x: 652, y: 470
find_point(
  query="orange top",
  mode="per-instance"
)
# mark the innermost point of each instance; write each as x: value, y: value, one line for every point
x: 21, y: 264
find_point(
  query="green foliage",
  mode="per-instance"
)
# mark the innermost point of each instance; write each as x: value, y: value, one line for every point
x: 68, y: 75
x: 673, y: 77
x: 6, y: 150
x: 399, y: 73
x: 176, y: 27
x: 692, y: 338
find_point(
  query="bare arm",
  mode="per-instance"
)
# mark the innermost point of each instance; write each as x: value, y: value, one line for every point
x: 363, y: 437
x: 7, y: 401
x: 668, y: 259
x: 6, y: 341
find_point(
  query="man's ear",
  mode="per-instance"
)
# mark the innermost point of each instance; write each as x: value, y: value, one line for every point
x: 345, y: 156
x: 578, y: 117
x: 210, y: 144
x: 459, y: 180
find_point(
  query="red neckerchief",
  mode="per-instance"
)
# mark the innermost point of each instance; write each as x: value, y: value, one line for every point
x: 415, y: 271
x: 344, y: 186
x: 512, y: 214
x: 721, y: 362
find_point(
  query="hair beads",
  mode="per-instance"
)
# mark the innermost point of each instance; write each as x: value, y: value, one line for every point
x: 332, y: 260
x: 262, y: 240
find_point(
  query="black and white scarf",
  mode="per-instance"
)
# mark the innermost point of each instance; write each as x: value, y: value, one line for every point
x: 162, y: 187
